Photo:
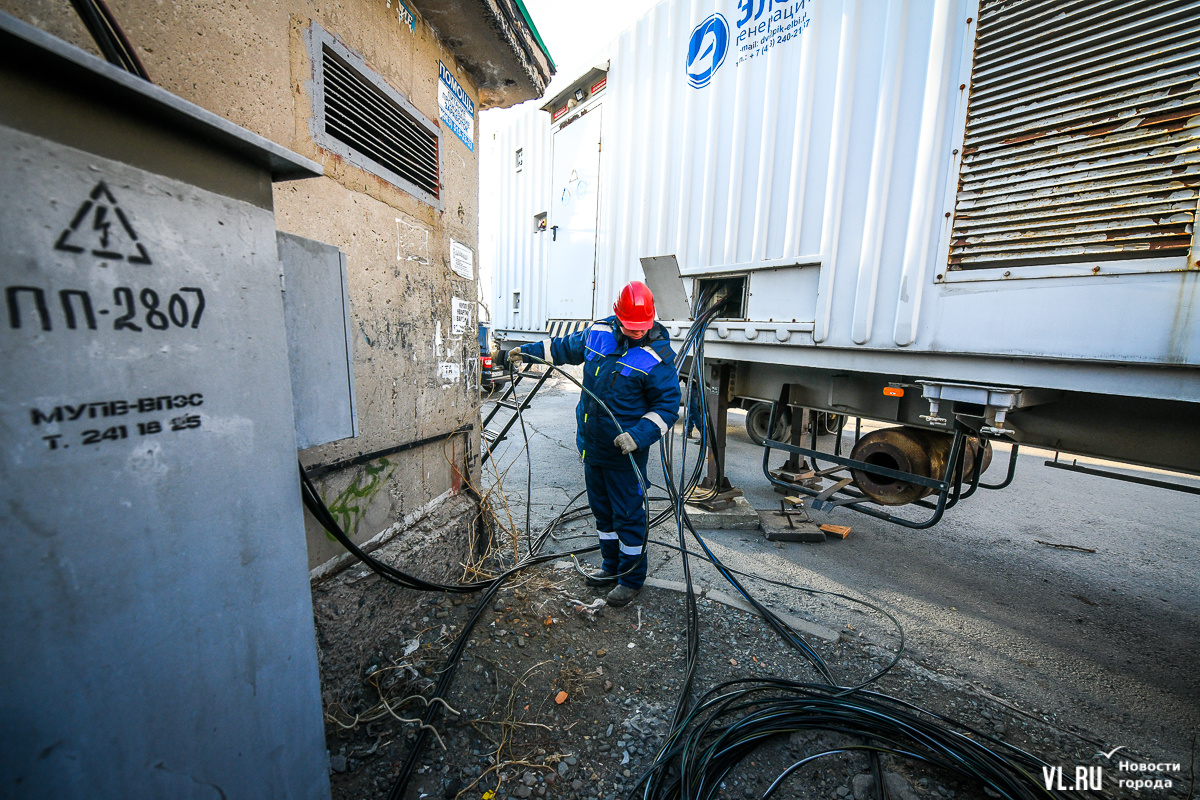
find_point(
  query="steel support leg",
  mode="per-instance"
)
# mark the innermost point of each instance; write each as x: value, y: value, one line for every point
x: 795, y: 469
x: 720, y: 420
x: 716, y: 492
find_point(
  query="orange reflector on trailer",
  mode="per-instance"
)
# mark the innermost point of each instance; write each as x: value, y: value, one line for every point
x: 893, y: 391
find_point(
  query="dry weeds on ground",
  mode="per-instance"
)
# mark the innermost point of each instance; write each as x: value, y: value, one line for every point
x: 617, y: 673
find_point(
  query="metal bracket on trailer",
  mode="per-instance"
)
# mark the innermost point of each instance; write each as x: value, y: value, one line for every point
x: 949, y: 489
x: 997, y: 401
x: 1118, y: 476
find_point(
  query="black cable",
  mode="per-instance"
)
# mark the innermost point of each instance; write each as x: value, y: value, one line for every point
x: 679, y: 496
x: 109, y: 37
x: 316, y: 506
x: 704, y: 745
x: 312, y: 501
x: 773, y: 707
x: 446, y: 675
x: 814, y: 591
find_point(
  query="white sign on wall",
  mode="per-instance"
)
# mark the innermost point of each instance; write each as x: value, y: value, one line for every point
x: 460, y: 316
x: 462, y: 260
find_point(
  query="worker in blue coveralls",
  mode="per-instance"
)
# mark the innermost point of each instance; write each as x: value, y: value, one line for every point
x: 630, y: 366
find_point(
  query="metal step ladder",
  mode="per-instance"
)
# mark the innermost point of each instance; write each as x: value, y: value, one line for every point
x: 511, y: 401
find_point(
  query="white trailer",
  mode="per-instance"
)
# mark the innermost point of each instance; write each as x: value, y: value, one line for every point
x: 984, y: 206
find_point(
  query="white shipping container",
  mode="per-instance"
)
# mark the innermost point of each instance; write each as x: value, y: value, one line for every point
x: 999, y: 192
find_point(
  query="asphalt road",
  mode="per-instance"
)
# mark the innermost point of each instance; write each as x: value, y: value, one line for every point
x: 1107, y: 642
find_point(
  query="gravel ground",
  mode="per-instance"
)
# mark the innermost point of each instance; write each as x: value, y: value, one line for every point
x: 617, y: 673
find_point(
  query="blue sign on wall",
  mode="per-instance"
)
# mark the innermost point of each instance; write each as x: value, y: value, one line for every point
x: 457, y: 110
x: 406, y: 16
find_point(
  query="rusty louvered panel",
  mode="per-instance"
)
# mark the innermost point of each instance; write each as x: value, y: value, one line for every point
x: 1083, y: 133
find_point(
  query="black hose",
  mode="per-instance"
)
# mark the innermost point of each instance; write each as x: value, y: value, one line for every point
x: 765, y: 709
x: 109, y: 37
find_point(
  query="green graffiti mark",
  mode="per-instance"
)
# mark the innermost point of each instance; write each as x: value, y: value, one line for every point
x: 350, y: 506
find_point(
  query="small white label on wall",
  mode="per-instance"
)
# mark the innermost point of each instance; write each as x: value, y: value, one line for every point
x: 460, y: 316
x: 462, y: 260
x: 449, y: 371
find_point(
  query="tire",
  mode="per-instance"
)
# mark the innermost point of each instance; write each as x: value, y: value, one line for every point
x: 757, y: 419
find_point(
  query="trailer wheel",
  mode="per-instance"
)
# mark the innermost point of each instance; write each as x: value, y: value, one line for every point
x: 757, y: 419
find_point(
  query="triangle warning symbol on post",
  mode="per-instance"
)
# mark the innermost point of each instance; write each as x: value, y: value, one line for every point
x: 101, y: 227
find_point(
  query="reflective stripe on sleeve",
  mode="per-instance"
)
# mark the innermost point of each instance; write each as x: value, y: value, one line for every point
x: 651, y: 351
x: 657, y: 420
x: 546, y: 354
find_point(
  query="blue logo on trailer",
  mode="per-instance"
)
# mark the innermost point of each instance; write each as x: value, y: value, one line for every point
x: 706, y: 50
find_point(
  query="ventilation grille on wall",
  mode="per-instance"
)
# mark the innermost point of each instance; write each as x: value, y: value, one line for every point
x: 360, y: 115
x: 1082, y: 138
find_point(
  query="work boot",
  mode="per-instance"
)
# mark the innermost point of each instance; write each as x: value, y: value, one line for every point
x: 600, y: 578
x: 621, y: 596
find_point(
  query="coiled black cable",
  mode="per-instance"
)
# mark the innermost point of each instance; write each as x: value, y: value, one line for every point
x: 736, y: 717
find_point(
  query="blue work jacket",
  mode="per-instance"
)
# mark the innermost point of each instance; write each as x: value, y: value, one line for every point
x: 636, y: 379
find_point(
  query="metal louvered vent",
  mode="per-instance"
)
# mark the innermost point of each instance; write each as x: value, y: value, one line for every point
x: 1083, y: 133
x: 380, y: 130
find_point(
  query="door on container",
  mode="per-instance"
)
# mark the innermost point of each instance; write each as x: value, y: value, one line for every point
x: 575, y: 176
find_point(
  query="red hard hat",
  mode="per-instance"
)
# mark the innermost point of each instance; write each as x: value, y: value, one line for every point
x: 635, y: 307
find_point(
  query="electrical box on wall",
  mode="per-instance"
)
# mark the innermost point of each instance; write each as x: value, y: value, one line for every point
x: 158, y: 625
x: 316, y: 308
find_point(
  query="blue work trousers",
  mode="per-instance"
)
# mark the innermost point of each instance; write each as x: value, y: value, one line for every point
x: 695, y: 411
x: 616, y: 500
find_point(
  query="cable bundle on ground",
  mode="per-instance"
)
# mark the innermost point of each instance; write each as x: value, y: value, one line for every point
x: 735, y: 718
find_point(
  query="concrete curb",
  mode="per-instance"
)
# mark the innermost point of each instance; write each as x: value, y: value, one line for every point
x: 717, y: 596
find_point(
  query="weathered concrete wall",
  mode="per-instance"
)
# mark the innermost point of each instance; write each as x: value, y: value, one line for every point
x: 249, y: 63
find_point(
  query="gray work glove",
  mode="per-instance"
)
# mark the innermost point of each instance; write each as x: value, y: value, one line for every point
x: 515, y: 356
x: 625, y: 444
